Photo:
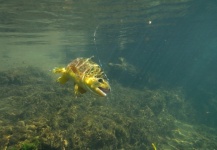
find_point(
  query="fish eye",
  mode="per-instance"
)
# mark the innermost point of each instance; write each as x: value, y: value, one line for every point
x: 100, y: 80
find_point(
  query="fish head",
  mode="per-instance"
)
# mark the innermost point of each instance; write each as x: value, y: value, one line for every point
x: 98, y: 86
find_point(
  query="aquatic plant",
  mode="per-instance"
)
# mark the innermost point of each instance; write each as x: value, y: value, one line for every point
x: 48, y: 116
x: 29, y: 146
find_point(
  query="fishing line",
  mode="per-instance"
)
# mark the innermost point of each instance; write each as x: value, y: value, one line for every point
x: 95, y: 44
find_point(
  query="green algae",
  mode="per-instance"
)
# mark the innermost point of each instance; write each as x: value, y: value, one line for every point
x: 29, y: 146
x: 38, y: 113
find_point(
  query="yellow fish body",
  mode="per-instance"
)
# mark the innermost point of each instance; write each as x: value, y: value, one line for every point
x: 86, y: 75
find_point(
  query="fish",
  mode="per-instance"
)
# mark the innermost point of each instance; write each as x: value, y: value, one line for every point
x: 86, y: 75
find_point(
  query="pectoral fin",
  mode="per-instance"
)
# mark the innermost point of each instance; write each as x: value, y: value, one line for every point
x: 79, y: 89
x: 63, y: 79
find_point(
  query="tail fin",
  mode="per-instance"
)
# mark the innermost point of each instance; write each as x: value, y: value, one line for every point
x: 64, y: 78
x: 59, y: 70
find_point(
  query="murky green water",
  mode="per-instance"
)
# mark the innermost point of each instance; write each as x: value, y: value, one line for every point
x: 159, y: 56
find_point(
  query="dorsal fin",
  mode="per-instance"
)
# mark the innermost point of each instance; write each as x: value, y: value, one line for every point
x: 74, y: 69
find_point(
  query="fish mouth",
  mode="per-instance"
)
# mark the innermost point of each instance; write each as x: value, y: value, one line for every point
x: 103, y: 91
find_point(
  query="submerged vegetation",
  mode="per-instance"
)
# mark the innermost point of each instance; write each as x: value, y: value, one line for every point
x: 37, y: 113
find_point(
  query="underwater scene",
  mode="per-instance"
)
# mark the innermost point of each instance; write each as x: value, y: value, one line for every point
x: 108, y: 75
